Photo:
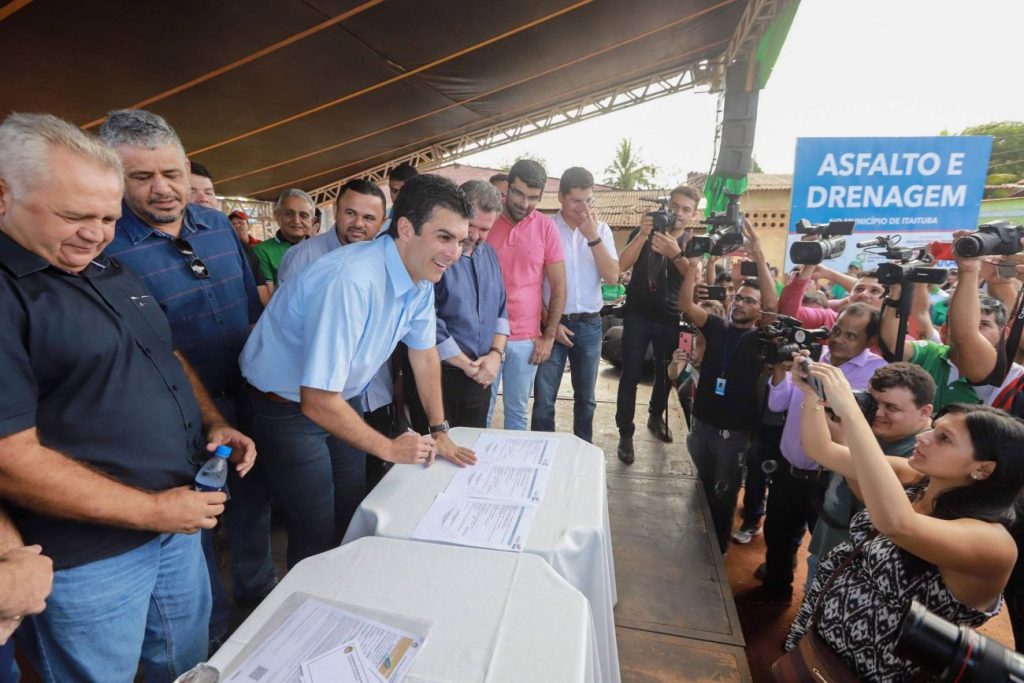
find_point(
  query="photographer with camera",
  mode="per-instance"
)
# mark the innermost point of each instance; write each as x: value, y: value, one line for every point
x: 898, y: 405
x: 791, y: 503
x: 863, y: 289
x: 684, y: 369
x: 935, y: 529
x: 974, y: 367
x: 650, y: 314
x: 725, y: 410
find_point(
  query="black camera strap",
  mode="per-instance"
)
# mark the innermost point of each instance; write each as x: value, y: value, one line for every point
x: 1016, y: 330
x: 903, y: 307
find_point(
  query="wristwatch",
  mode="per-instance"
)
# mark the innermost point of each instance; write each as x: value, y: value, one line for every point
x: 501, y: 352
x: 436, y: 429
x: 594, y: 242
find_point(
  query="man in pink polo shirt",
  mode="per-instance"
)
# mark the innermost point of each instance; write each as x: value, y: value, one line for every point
x: 529, y: 249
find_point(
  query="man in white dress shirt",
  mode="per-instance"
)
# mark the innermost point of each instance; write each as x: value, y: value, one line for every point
x: 590, y: 259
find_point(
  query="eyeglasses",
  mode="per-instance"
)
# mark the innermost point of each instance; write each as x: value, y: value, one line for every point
x: 199, y: 268
x: 737, y: 299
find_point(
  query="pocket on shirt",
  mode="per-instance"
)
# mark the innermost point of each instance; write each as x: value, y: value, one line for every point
x: 152, y: 315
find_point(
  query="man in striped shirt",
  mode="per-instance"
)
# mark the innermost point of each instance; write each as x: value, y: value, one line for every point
x: 192, y: 263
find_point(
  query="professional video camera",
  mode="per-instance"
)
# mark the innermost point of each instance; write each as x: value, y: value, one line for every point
x: 663, y: 219
x: 956, y: 653
x: 831, y: 245
x: 998, y: 238
x: 781, y: 336
x: 726, y: 233
x: 907, y: 265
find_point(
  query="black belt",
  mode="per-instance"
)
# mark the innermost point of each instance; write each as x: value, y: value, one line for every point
x: 574, y: 317
x: 270, y: 396
x: 800, y: 473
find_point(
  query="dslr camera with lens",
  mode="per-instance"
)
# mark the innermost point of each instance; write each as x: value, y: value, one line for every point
x: 726, y: 234
x: 781, y: 336
x: 998, y: 238
x: 955, y: 653
x: 831, y: 245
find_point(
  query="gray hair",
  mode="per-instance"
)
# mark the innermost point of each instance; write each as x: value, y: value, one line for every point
x: 27, y: 140
x: 294, y: 192
x: 481, y: 195
x: 138, y: 128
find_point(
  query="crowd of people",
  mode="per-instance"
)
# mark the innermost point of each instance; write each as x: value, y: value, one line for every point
x: 906, y: 474
x: 146, y: 328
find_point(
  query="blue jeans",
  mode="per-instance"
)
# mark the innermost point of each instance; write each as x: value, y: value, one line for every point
x: 516, y: 374
x: 584, y: 358
x: 151, y: 603
x: 317, y: 480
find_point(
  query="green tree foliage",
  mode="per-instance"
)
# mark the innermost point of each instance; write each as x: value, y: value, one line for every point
x: 1007, y: 147
x: 628, y: 171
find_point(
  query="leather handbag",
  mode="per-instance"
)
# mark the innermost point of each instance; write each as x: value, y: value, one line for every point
x: 812, y: 660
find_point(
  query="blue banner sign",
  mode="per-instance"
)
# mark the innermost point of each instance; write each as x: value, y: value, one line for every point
x: 921, y: 188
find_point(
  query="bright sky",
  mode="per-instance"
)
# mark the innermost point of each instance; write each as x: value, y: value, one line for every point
x: 864, y: 68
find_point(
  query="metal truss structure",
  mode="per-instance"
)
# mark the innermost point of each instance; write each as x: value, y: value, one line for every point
x: 699, y: 73
x: 753, y: 23
x: 592, y: 105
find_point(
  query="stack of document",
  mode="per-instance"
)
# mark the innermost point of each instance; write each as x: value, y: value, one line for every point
x: 492, y: 504
x: 309, y: 640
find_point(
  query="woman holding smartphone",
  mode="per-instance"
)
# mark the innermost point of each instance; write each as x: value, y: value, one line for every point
x: 934, y: 528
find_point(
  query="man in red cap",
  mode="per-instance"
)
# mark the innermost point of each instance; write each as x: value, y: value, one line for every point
x: 240, y: 222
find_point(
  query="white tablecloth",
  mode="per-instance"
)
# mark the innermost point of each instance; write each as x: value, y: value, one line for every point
x: 494, y: 616
x: 571, y: 531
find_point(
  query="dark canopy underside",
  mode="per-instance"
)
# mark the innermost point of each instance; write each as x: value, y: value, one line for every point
x: 288, y: 93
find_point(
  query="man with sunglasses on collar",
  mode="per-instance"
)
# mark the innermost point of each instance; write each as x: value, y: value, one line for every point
x: 191, y: 261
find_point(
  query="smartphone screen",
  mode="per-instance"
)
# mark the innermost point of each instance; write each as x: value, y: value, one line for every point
x: 748, y: 269
x: 716, y: 292
x: 803, y: 368
x: 686, y: 342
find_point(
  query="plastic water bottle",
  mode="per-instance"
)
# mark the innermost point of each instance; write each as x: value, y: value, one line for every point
x: 213, y: 476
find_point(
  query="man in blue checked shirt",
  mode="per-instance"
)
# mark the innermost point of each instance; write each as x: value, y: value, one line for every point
x: 321, y: 341
x: 472, y: 319
x: 190, y: 259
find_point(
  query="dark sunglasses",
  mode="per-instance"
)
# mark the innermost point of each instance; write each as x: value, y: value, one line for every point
x: 199, y: 268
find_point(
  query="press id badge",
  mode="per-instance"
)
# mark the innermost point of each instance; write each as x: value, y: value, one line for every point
x: 720, y: 386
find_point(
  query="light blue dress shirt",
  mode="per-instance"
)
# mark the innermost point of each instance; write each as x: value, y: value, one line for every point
x: 305, y: 252
x: 333, y: 326
x: 381, y: 390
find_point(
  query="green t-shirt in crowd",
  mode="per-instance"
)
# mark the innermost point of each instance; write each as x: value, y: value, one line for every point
x: 269, y: 253
x: 934, y: 358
